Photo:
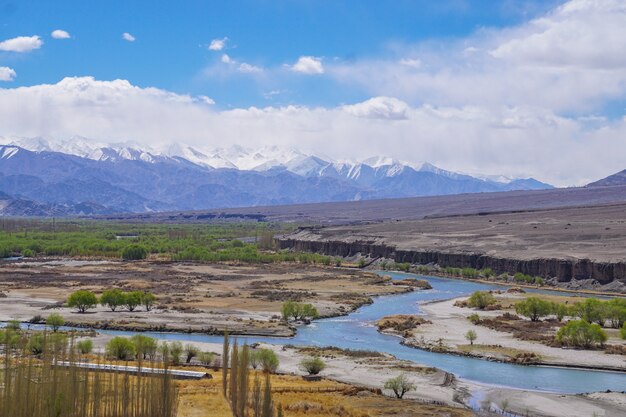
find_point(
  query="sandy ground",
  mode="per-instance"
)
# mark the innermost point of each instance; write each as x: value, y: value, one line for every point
x: 450, y: 323
x: 191, y: 297
x: 432, y: 385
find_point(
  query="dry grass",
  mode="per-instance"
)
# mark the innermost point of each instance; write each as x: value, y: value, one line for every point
x: 300, y: 398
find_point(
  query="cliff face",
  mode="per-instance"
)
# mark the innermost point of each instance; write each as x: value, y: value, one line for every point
x: 564, y: 270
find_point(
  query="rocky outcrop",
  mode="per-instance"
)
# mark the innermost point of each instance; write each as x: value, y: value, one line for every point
x: 563, y: 270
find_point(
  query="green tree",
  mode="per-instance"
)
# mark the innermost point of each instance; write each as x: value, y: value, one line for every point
x: 176, y: 350
x: 481, y: 299
x: 84, y: 346
x: 82, y: 300
x: 313, y: 365
x: 534, y: 308
x: 134, y: 252
x: 55, y: 320
x: 148, y: 299
x: 298, y: 311
x: 132, y: 300
x: 145, y: 346
x: 206, y: 358
x: 471, y: 336
x: 190, y: 352
x: 581, y: 333
x: 622, y: 331
x: 113, y: 298
x: 560, y: 310
x: 268, y: 360
x: 120, y: 348
x: 591, y: 310
x: 400, y: 385
x: 615, y: 311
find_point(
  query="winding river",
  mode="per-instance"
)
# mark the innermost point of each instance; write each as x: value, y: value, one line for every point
x: 357, y: 331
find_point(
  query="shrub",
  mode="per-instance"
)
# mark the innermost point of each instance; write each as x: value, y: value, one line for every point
x: 82, y: 300
x: 361, y: 263
x: 206, y: 358
x: 145, y: 346
x: 487, y: 272
x: 134, y: 252
x: 55, y: 320
x: 268, y: 360
x: 581, y: 333
x: 469, y: 273
x: 85, y: 346
x: 313, y: 365
x: 474, y: 318
x: 120, y: 348
x: 481, y: 299
x: 176, y: 350
x: 539, y: 281
x: 534, y: 308
x: 148, y: 299
x: 132, y: 300
x: 113, y: 298
x: 404, y: 266
x: 471, y: 336
x: 400, y: 385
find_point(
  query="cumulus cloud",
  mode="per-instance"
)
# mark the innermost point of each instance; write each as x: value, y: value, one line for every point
x: 21, y: 44
x: 218, y: 44
x: 60, y: 34
x: 7, y: 74
x: 570, y: 59
x: 509, y: 140
x: 226, y: 59
x: 249, y: 69
x: 308, y: 65
x: 128, y: 37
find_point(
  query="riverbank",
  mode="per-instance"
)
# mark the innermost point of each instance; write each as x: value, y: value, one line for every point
x: 446, y: 323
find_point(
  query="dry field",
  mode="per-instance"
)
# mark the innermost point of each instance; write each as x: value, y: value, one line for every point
x: 196, y: 297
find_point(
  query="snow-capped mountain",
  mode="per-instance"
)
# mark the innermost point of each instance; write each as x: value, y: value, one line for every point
x: 129, y: 177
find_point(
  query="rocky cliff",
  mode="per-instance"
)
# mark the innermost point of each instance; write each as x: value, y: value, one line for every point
x: 562, y: 269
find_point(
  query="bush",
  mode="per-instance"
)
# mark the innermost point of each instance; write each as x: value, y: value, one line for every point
x: 145, y: 346
x: 400, y: 385
x: 206, y: 358
x: 474, y: 318
x: 55, y: 320
x: 481, y: 299
x: 134, y: 252
x: 313, y: 365
x: 534, y: 308
x: 581, y: 333
x: 298, y: 311
x: 120, y: 348
x: 113, y: 298
x: 85, y: 346
x: 487, y: 272
x: 176, y: 350
x: 82, y: 300
x: 268, y: 360
x: 591, y: 310
x: 469, y: 273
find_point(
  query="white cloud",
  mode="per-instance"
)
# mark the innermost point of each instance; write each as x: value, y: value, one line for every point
x: 206, y: 100
x: 7, y: 74
x: 60, y: 34
x: 226, y: 59
x: 570, y: 59
x: 308, y: 65
x: 249, y: 69
x: 379, y: 108
x: 509, y: 140
x: 21, y: 44
x: 414, y: 63
x: 128, y: 37
x: 218, y: 44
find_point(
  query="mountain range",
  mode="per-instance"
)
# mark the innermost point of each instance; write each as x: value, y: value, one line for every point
x: 40, y: 176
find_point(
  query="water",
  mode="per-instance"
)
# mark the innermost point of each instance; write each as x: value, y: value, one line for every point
x: 357, y: 331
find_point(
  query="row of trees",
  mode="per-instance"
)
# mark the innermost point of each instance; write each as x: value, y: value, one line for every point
x: 84, y: 300
x: 141, y: 347
x: 592, y: 310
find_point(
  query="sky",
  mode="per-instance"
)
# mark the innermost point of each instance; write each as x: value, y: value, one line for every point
x: 514, y: 87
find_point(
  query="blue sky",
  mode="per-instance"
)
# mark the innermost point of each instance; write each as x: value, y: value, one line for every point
x: 514, y: 87
x: 172, y: 39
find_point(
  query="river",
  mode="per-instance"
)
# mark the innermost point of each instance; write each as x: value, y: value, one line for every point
x: 357, y: 331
